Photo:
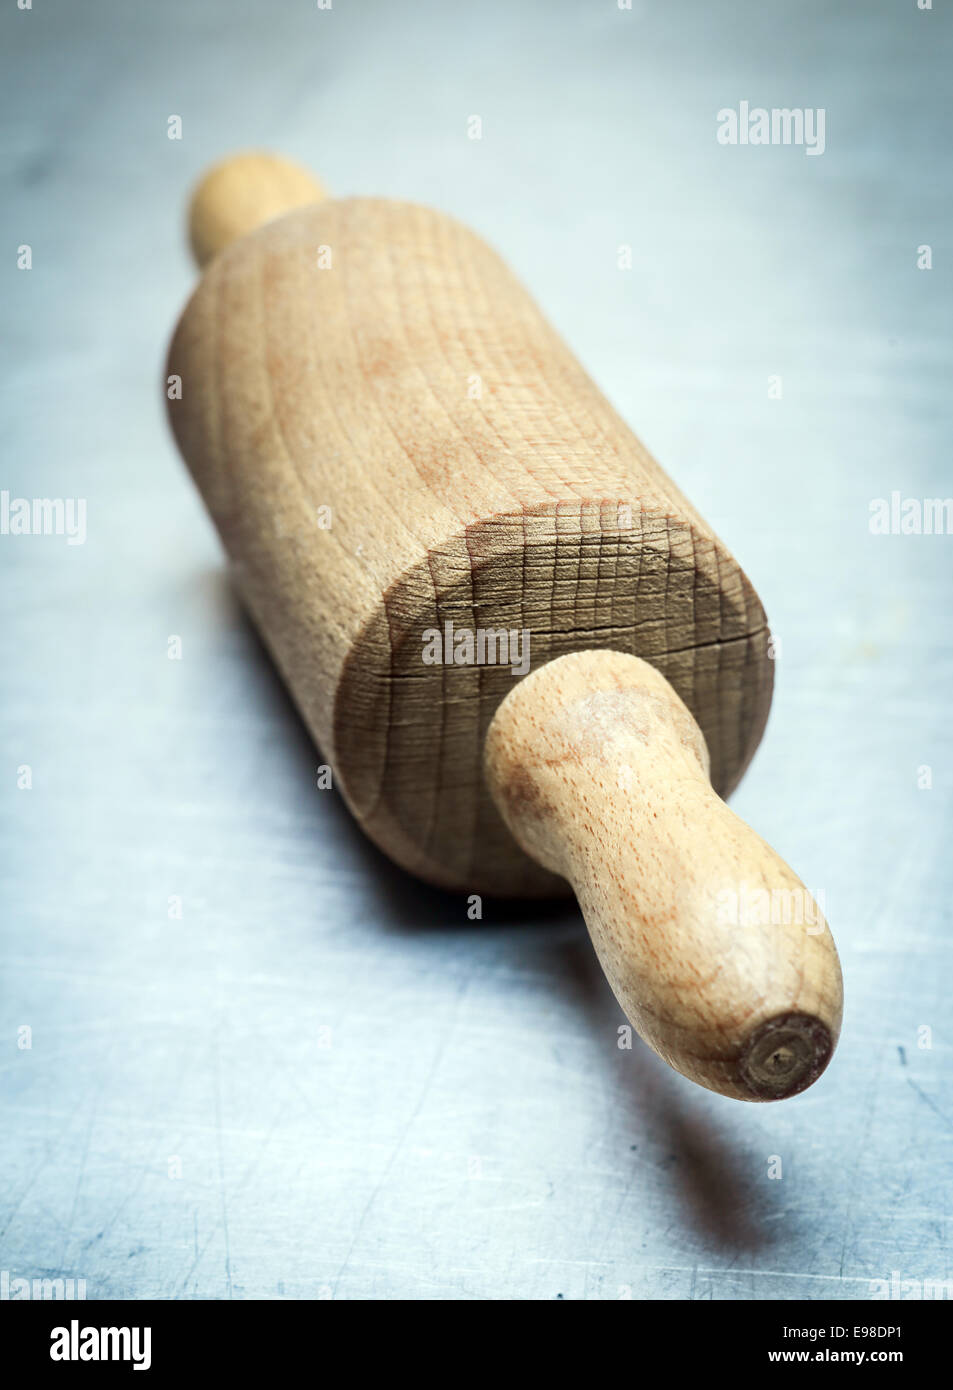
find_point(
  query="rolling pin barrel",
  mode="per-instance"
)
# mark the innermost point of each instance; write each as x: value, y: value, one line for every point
x: 597, y: 767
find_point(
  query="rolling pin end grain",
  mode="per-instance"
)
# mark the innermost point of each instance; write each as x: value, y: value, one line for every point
x: 785, y: 1055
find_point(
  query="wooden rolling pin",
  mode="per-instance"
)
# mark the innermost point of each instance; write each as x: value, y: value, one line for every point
x: 426, y: 499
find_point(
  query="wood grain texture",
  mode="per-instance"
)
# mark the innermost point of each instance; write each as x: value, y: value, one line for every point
x: 378, y: 359
x: 716, y: 951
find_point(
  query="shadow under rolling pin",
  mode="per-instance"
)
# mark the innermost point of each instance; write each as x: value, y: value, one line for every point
x: 424, y: 498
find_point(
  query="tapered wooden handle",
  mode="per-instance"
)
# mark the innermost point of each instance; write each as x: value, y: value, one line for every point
x: 717, y: 953
x: 242, y: 193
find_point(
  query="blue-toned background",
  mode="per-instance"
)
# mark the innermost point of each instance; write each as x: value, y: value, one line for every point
x: 322, y: 1080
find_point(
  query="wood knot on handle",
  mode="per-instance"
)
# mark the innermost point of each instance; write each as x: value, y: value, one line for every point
x: 716, y: 951
x: 785, y: 1056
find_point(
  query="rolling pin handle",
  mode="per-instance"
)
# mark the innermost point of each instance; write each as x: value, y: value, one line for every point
x: 243, y: 193
x: 717, y: 953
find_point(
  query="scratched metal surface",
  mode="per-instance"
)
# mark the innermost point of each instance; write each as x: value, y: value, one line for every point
x: 323, y: 1081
